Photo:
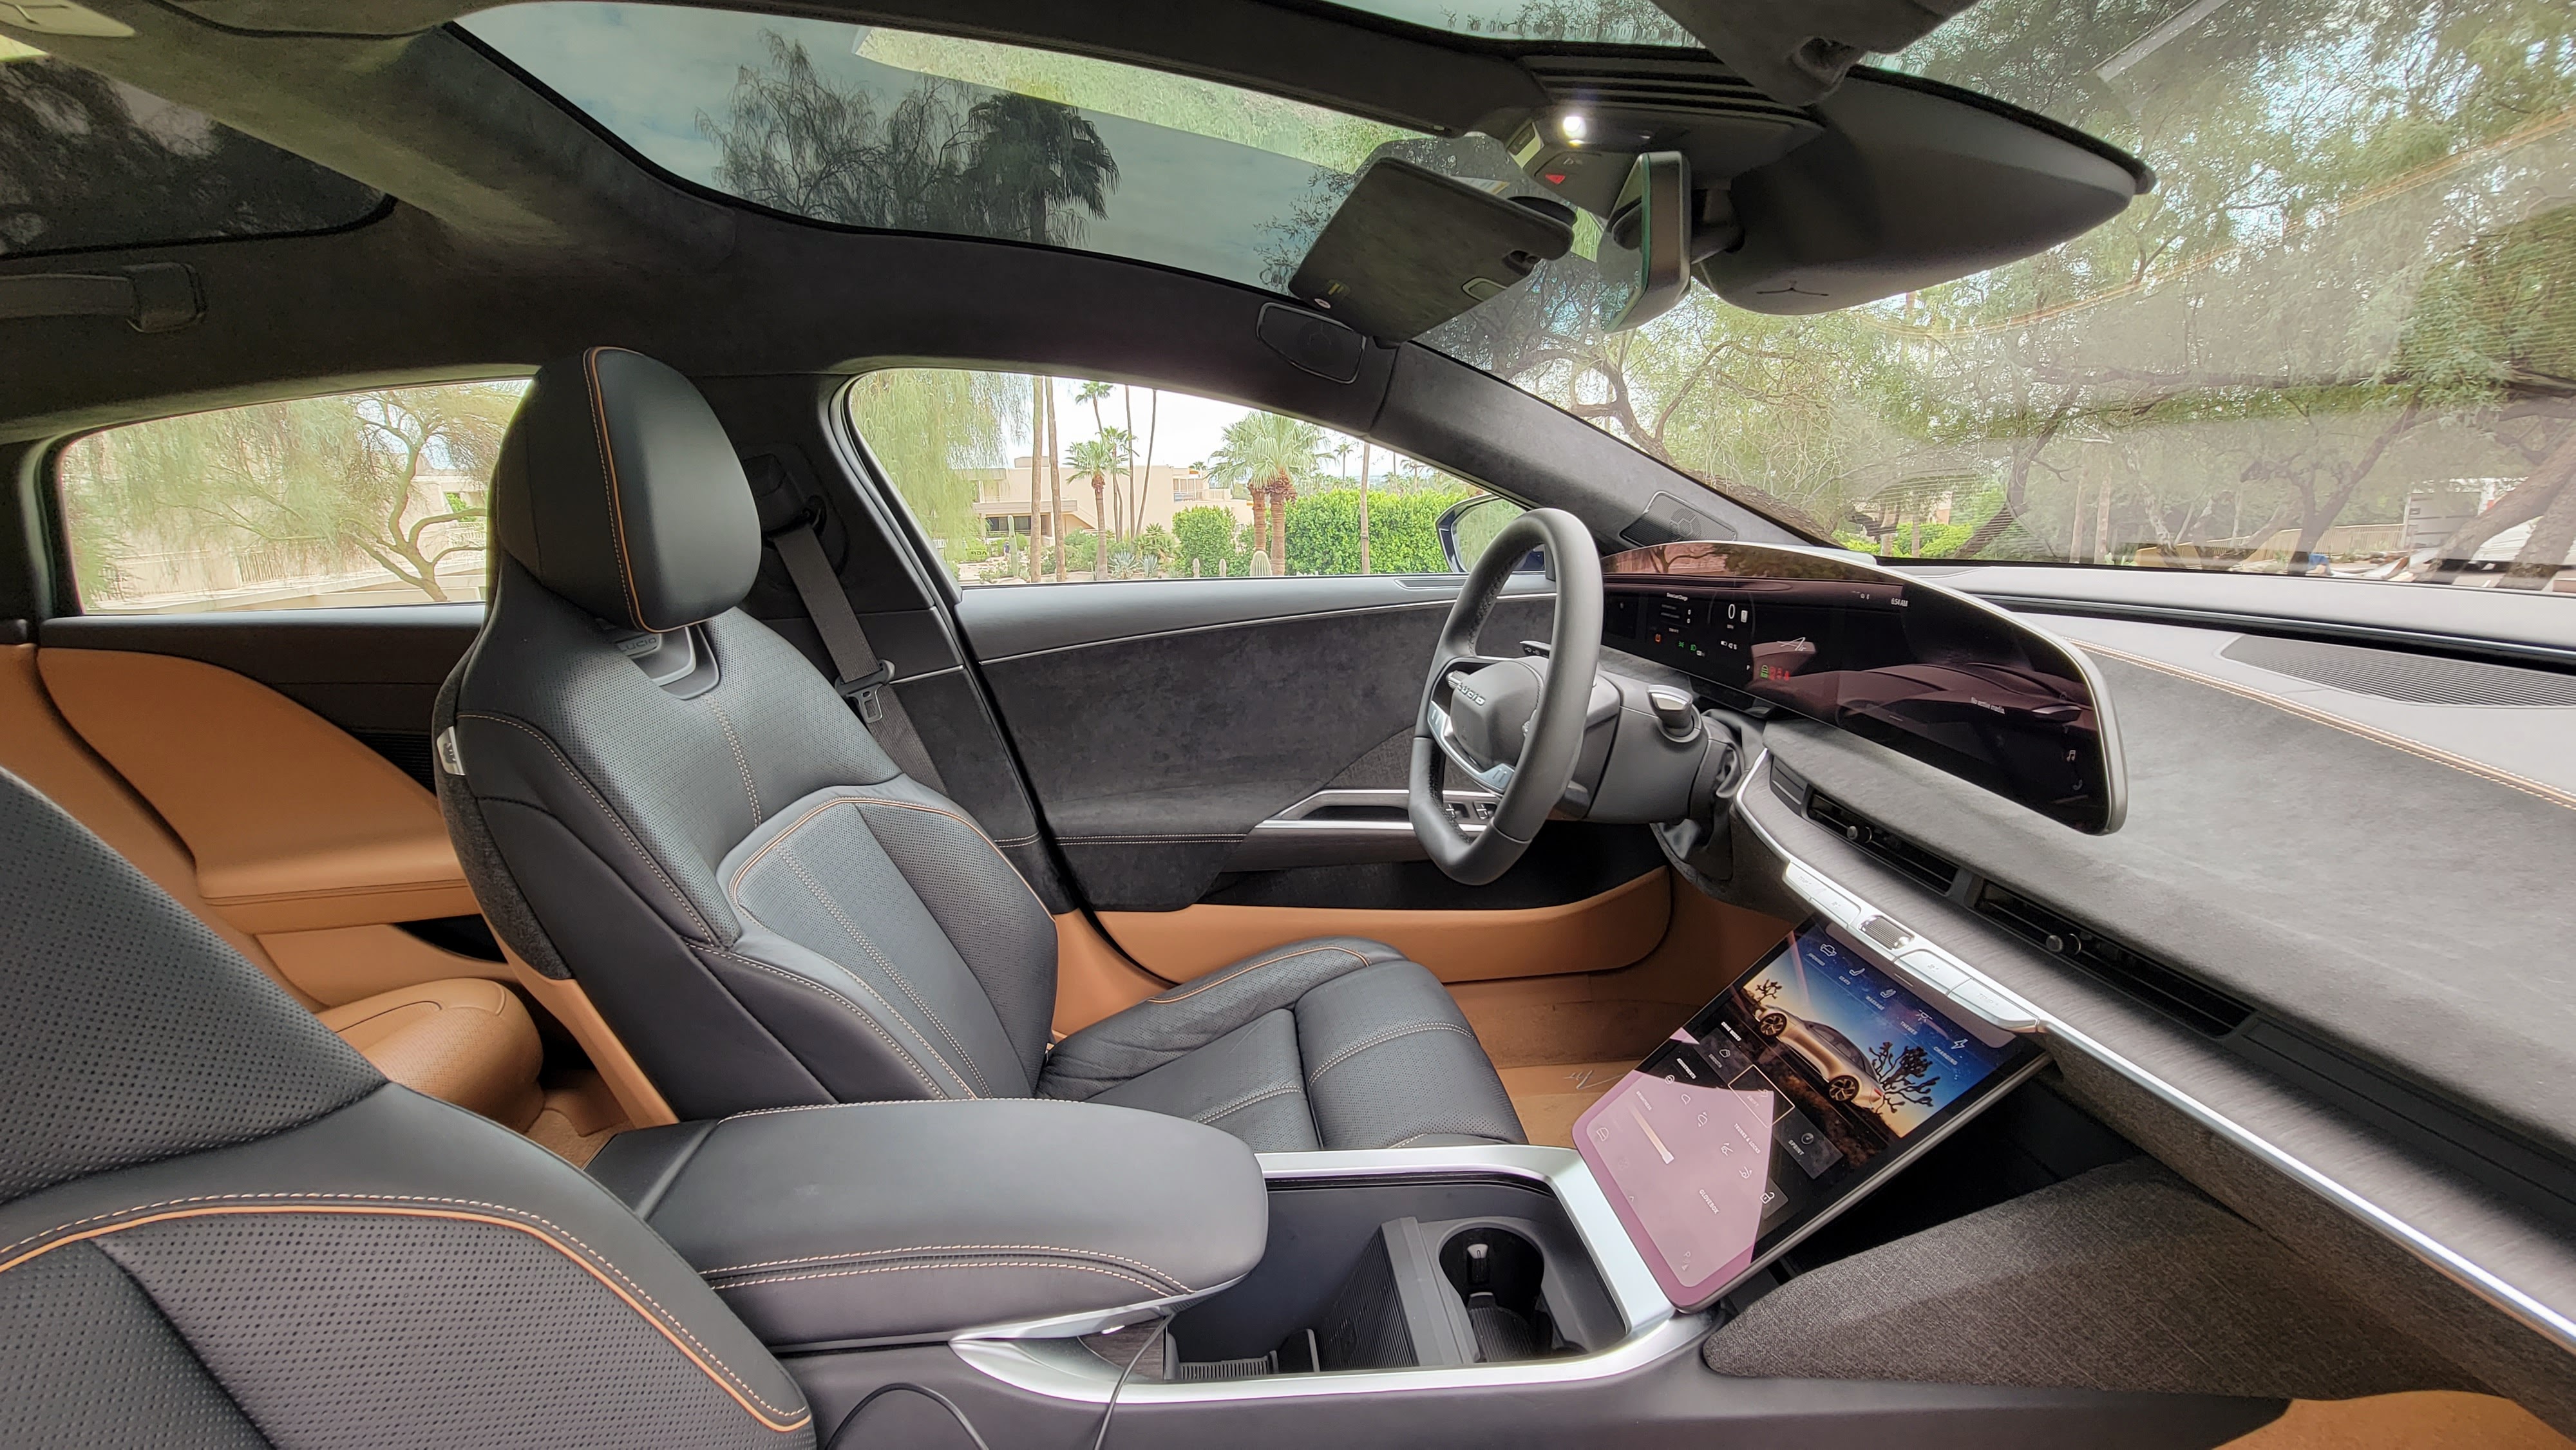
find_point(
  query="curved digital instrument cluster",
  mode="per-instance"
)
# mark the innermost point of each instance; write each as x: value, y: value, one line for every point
x: 1936, y: 675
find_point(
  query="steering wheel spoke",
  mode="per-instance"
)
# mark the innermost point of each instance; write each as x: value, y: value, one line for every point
x: 1518, y: 728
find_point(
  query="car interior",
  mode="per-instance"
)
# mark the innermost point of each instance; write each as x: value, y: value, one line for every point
x: 709, y: 651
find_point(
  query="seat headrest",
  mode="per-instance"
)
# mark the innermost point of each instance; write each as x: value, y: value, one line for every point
x: 618, y: 489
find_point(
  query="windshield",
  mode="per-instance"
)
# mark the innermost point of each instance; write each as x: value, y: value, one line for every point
x: 2338, y: 338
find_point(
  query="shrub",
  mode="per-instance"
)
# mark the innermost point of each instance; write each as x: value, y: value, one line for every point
x: 1324, y: 532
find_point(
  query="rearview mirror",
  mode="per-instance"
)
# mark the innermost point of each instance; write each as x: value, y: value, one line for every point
x: 1645, y: 246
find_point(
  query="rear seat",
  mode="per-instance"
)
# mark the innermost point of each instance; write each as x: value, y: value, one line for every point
x: 464, y: 1040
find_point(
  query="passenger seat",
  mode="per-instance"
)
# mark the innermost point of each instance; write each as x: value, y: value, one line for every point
x: 467, y: 1041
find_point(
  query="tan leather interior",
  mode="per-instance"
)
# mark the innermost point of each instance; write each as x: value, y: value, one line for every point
x: 40, y: 747
x: 294, y: 825
x: 471, y: 1043
x: 2417, y: 1420
x: 1093, y: 978
x: 432, y: 1020
x: 1596, y: 934
x: 568, y: 1004
x: 344, y: 963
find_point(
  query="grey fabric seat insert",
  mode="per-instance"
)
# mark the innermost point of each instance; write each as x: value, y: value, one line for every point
x: 764, y: 908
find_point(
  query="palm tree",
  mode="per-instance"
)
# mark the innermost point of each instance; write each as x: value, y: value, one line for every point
x: 1270, y: 455
x: 1097, y: 457
x: 1123, y: 449
x: 1093, y: 392
x: 1033, y: 157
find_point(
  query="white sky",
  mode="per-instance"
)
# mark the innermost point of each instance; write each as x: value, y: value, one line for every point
x: 1188, y: 433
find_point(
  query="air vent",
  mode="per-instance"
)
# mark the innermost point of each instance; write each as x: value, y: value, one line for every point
x: 1928, y: 869
x: 2415, y: 679
x: 2209, y: 1012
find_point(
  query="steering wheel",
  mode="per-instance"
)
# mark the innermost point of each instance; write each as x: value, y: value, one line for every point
x: 1513, y: 726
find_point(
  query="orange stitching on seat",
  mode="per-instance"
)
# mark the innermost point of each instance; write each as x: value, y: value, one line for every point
x: 608, y: 472
x: 902, y: 982
x: 862, y: 1013
x: 633, y: 843
x: 1377, y: 1039
x: 1257, y: 966
x: 724, y: 1377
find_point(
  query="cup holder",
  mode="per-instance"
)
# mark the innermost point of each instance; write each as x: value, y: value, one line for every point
x: 1499, y: 1274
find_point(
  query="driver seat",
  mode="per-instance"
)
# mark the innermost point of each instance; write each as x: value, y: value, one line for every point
x: 657, y: 796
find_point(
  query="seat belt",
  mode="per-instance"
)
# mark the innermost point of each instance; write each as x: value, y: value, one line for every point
x: 864, y: 680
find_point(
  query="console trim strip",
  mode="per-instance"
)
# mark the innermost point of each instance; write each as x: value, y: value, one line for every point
x: 1803, y: 878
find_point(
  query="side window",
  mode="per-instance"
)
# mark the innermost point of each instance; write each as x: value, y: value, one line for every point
x: 1023, y: 479
x: 349, y: 500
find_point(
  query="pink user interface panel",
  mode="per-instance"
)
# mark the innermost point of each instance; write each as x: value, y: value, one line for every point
x: 1806, y: 1083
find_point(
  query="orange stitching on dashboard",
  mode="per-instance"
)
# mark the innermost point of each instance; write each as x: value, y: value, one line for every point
x: 2417, y: 748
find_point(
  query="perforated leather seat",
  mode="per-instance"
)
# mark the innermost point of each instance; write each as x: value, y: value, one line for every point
x: 655, y: 794
x: 223, y: 1228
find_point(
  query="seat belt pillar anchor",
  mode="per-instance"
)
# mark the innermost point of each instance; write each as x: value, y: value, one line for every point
x: 863, y: 690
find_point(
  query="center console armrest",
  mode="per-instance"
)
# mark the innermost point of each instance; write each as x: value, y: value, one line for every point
x: 872, y: 1222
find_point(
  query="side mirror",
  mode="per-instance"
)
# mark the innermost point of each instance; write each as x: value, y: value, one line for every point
x: 1471, y: 524
x: 1645, y: 247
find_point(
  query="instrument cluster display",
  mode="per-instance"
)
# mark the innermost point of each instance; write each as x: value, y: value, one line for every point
x: 1920, y: 670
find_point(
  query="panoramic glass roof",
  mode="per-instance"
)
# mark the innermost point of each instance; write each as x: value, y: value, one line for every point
x: 1611, y: 22
x: 2339, y: 337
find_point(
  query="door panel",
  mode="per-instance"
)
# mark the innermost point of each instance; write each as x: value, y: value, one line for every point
x: 294, y: 826
x: 1597, y: 934
x: 1161, y: 721
x: 372, y: 672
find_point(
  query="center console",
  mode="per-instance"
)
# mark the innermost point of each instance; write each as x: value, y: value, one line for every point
x: 1073, y: 1254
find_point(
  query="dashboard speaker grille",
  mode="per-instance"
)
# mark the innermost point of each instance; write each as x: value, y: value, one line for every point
x: 2415, y: 679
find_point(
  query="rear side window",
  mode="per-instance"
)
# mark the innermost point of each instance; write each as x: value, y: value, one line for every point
x: 90, y: 162
x: 353, y: 499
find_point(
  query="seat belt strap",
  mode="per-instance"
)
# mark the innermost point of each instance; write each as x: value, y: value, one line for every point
x: 863, y: 679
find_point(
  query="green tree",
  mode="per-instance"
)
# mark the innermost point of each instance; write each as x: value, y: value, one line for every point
x: 932, y: 429
x: 1096, y: 458
x: 303, y: 487
x: 1270, y: 454
x: 1205, y: 537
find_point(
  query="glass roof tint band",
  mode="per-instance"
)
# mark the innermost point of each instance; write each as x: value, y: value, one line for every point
x: 871, y: 127
x: 87, y: 162
x: 1602, y: 22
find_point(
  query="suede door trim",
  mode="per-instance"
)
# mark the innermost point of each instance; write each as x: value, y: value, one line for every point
x: 770, y: 1416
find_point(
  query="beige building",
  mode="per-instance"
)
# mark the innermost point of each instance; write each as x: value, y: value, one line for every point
x: 1002, y: 499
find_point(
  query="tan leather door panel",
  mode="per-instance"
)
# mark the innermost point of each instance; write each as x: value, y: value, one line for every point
x: 295, y: 826
x: 1597, y: 934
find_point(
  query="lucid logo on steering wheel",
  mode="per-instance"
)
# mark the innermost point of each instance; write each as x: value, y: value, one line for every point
x: 1470, y: 696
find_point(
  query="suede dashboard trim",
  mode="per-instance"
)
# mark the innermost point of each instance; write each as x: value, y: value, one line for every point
x: 2376, y: 736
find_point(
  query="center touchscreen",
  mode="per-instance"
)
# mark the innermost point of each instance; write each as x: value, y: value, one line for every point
x: 1803, y: 1085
